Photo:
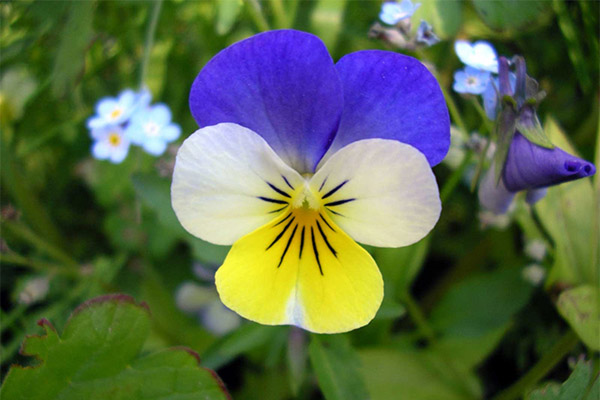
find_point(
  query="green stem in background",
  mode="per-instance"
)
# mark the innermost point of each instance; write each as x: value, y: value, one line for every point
x: 573, y: 44
x: 454, y: 114
x: 418, y: 317
x: 257, y: 16
x: 149, y: 42
x: 544, y: 365
x: 281, y: 19
x: 479, y: 167
x: 14, y: 314
x: 454, y: 179
x: 486, y: 121
x: 38, y: 266
x: 22, y: 232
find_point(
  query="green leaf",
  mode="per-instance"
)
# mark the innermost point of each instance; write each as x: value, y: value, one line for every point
x: 481, y: 304
x: 74, y: 40
x: 444, y: 15
x: 97, y: 357
x: 414, y: 375
x: 337, y: 368
x: 568, y: 213
x: 574, y: 388
x: 579, y: 306
x: 227, y: 13
x: 510, y: 14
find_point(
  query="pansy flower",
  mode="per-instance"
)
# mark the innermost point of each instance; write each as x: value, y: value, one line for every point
x: 393, y: 12
x: 471, y: 80
x: 110, y: 143
x: 480, y: 55
x: 152, y: 129
x: 296, y: 159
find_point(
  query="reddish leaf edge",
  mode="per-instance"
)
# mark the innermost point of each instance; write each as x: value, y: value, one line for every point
x: 113, y: 297
x: 196, y: 356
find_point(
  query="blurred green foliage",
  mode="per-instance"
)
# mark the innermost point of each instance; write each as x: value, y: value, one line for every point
x: 459, y: 320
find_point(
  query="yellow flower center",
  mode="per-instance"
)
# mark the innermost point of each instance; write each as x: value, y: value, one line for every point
x: 116, y: 113
x: 114, y: 139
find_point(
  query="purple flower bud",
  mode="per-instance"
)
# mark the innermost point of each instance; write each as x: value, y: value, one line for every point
x: 529, y: 166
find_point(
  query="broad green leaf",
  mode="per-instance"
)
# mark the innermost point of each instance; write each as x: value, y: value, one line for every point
x: 574, y: 388
x: 444, y: 15
x: 481, y: 304
x: 97, y: 357
x: 227, y: 13
x: 16, y: 87
x: 568, y: 213
x: 511, y: 14
x: 337, y: 368
x: 74, y: 40
x: 415, y: 375
x: 580, y: 307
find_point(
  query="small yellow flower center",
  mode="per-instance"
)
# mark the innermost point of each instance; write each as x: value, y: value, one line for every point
x: 114, y: 139
x: 305, y: 199
x: 471, y: 81
x: 116, y: 113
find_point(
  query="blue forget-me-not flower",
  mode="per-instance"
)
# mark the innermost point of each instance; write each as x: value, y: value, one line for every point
x: 480, y: 55
x: 425, y: 34
x: 393, y: 12
x: 297, y: 159
x: 110, y: 143
x: 471, y: 80
x: 152, y: 129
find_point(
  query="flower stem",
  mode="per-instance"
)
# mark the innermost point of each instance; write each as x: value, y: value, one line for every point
x: 257, y: 16
x: 454, y: 179
x: 454, y: 114
x: 418, y: 317
x: 149, y: 42
x: 281, y: 20
x: 544, y: 365
x: 486, y: 122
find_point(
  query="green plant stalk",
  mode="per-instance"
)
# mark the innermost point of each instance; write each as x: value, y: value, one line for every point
x: 149, y: 41
x: 255, y: 11
x: 25, y: 199
x: 454, y: 114
x: 544, y: 365
x: 281, y: 20
x: 454, y: 179
x: 24, y: 233
x: 573, y: 45
x: 39, y: 266
x: 486, y: 121
x: 418, y: 317
x: 8, y: 319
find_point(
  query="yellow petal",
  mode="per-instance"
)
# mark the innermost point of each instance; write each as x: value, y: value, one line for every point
x: 303, y: 270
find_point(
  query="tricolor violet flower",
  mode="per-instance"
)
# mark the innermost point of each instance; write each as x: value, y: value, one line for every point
x: 525, y: 158
x: 393, y: 12
x: 480, y: 55
x: 152, y: 129
x: 471, y: 80
x: 298, y: 157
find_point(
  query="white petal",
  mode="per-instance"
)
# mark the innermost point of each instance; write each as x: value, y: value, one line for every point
x: 221, y: 173
x: 390, y: 197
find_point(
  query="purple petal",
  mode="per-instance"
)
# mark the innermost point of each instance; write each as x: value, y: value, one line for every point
x: 281, y: 84
x: 529, y: 166
x: 391, y: 96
